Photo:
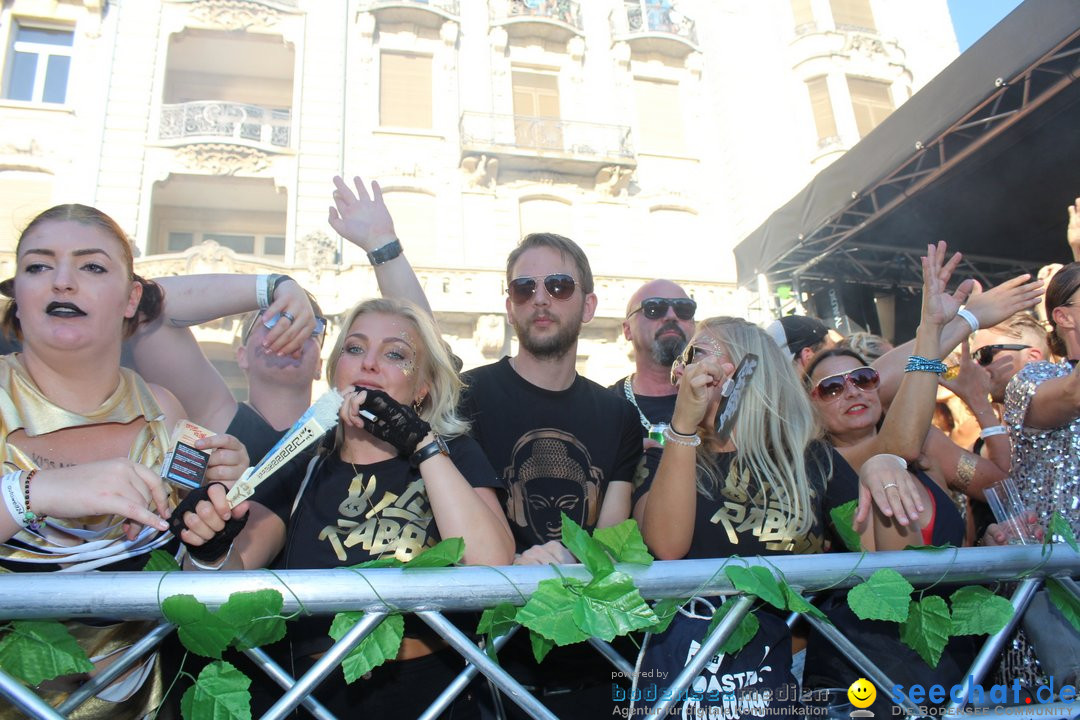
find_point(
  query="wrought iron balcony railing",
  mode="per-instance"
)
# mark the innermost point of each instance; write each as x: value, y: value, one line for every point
x: 215, y: 119
x: 658, y: 16
x: 542, y: 135
x: 564, y: 11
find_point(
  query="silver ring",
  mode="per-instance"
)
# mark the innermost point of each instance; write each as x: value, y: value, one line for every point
x: 890, y: 485
x: 288, y: 316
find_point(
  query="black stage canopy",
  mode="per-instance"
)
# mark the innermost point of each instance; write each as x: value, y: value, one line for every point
x: 986, y: 156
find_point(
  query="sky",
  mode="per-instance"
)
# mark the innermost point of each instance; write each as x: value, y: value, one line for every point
x: 972, y: 18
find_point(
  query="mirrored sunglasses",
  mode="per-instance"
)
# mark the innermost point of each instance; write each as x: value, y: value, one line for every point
x: 986, y: 354
x: 558, y: 285
x: 863, y: 379
x: 656, y: 307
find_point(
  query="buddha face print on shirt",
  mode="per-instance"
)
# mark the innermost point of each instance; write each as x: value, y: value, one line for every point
x: 550, y: 473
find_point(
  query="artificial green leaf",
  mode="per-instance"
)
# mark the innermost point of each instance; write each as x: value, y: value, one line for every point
x: 624, y: 542
x: 1063, y: 600
x: 161, y: 561
x: 927, y: 628
x: 378, y: 646
x: 386, y: 561
x: 591, y: 553
x: 39, y: 650
x: 977, y: 611
x: 744, y: 631
x: 496, y: 621
x: 255, y: 617
x: 665, y: 612
x: 448, y: 552
x: 612, y: 605
x: 797, y: 603
x: 843, y: 517
x: 541, y: 646
x: 759, y: 581
x: 885, y: 596
x: 550, y: 611
x: 1060, y: 527
x: 219, y: 693
x: 201, y: 631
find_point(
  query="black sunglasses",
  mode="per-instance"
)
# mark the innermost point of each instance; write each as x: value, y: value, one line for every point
x: 985, y: 355
x: 832, y: 387
x: 655, y: 308
x: 319, y: 333
x: 690, y: 355
x: 558, y: 285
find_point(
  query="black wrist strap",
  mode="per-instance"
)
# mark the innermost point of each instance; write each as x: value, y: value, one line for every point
x: 432, y: 448
x: 276, y: 280
x: 386, y: 253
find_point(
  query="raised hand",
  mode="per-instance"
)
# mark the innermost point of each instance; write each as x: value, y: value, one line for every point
x: 229, y: 458
x: 385, y: 418
x: 295, y: 319
x: 972, y: 383
x: 206, y: 524
x: 362, y: 220
x: 939, y: 305
x: 1073, y: 233
x: 699, y: 383
x: 1004, y: 300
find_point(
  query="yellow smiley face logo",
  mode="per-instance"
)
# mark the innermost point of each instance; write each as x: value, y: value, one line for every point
x: 862, y: 693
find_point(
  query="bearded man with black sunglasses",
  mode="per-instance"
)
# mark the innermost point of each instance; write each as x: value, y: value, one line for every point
x: 659, y: 321
x: 562, y: 443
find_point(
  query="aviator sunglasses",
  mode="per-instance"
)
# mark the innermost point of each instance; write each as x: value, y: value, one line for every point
x: 655, y: 308
x: 985, y: 355
x: 559, y: 286
x: 690, y: 355
x: 863, y: 378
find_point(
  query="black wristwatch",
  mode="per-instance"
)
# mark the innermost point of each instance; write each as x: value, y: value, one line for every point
x: 386, y: 253
x: 435, y: 447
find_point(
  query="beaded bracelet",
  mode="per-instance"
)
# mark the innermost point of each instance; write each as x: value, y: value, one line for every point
x: 33, y: 521
x: 993, y: 430
x: 680, y: 439
x: 921, y: 364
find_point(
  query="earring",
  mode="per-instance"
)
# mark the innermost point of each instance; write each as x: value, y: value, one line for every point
x: 418, y: 404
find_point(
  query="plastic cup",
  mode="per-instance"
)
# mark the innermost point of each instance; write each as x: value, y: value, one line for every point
x: 1010, y: 512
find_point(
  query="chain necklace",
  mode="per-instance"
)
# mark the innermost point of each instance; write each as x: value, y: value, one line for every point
x: 628, y: 389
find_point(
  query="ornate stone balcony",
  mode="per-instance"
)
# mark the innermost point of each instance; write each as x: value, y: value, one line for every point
x: 213, y: 120
x: 428, y: 13
x: 552, y: 19
x: 654, y: 24
x: 546, y: 143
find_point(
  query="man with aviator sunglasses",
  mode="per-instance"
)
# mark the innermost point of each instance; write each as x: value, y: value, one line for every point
x: 563, y: 444
x: 659, y: 321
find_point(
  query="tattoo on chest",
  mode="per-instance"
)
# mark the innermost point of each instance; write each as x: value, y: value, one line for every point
x: 43, y: 462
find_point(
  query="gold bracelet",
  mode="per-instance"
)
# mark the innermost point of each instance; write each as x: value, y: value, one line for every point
x: 965, y: 469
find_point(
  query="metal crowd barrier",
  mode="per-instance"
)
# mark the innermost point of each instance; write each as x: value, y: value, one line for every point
x: 429, y: 593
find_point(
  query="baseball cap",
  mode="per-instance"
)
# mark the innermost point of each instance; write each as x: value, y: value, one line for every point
x: 795, y: 332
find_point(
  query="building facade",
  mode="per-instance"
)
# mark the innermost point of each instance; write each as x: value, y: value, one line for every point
x: 655, y: 134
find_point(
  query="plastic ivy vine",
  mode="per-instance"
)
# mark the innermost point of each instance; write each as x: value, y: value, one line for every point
x: 562, y: 611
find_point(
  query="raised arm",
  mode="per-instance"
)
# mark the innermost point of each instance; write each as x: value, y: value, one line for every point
x: 1073, y: 233
x: 365, y: 222
x: 1056, y: 402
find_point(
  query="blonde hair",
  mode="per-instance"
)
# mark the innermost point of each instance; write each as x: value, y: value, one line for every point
x: 439, y: 407
x: 775, y: 425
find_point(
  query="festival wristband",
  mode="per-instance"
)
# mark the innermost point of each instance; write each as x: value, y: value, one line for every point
x: 262, y: 290
x: 969, y: 317
x: 11, y: 487
x: 993, y: 430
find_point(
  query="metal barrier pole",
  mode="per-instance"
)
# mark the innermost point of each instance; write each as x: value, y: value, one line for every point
x: 621, y: 664
x: 460, y: 642
x: 462, y: 681
x: 118, y: 668
x: 26, y: 699
x: 987, y: 656
x: 1071, y: 585
x: 286, y: 681
x: 856, y: 656
x: 723, y: 631
x: 324, y: 665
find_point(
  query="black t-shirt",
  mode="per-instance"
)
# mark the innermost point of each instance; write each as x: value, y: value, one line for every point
x: 251, y: 429
x: 556, y: 451
x: 743, y: 517
x: 655, y: 408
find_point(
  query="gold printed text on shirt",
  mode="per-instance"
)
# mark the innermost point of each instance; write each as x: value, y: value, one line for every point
x: 397, y: 524
x: 744, y: 508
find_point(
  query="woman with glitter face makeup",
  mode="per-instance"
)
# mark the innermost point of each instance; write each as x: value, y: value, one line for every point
x: 376, y: 489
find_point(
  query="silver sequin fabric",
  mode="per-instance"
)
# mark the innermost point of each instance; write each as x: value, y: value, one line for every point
x: 1045, y: 462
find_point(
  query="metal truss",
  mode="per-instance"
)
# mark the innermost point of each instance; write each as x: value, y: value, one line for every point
x: 428, y: 593
x: 829, y: 253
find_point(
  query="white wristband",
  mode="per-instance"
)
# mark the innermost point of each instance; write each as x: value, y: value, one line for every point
x: 993, y: 430
x: 899, y: 460
x: 262, y: 290
x: 219, y: 565
x: 969, y: 317
x: 11, y: 487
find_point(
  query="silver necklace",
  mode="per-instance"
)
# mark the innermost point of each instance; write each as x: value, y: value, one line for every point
x: 629, y: 391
